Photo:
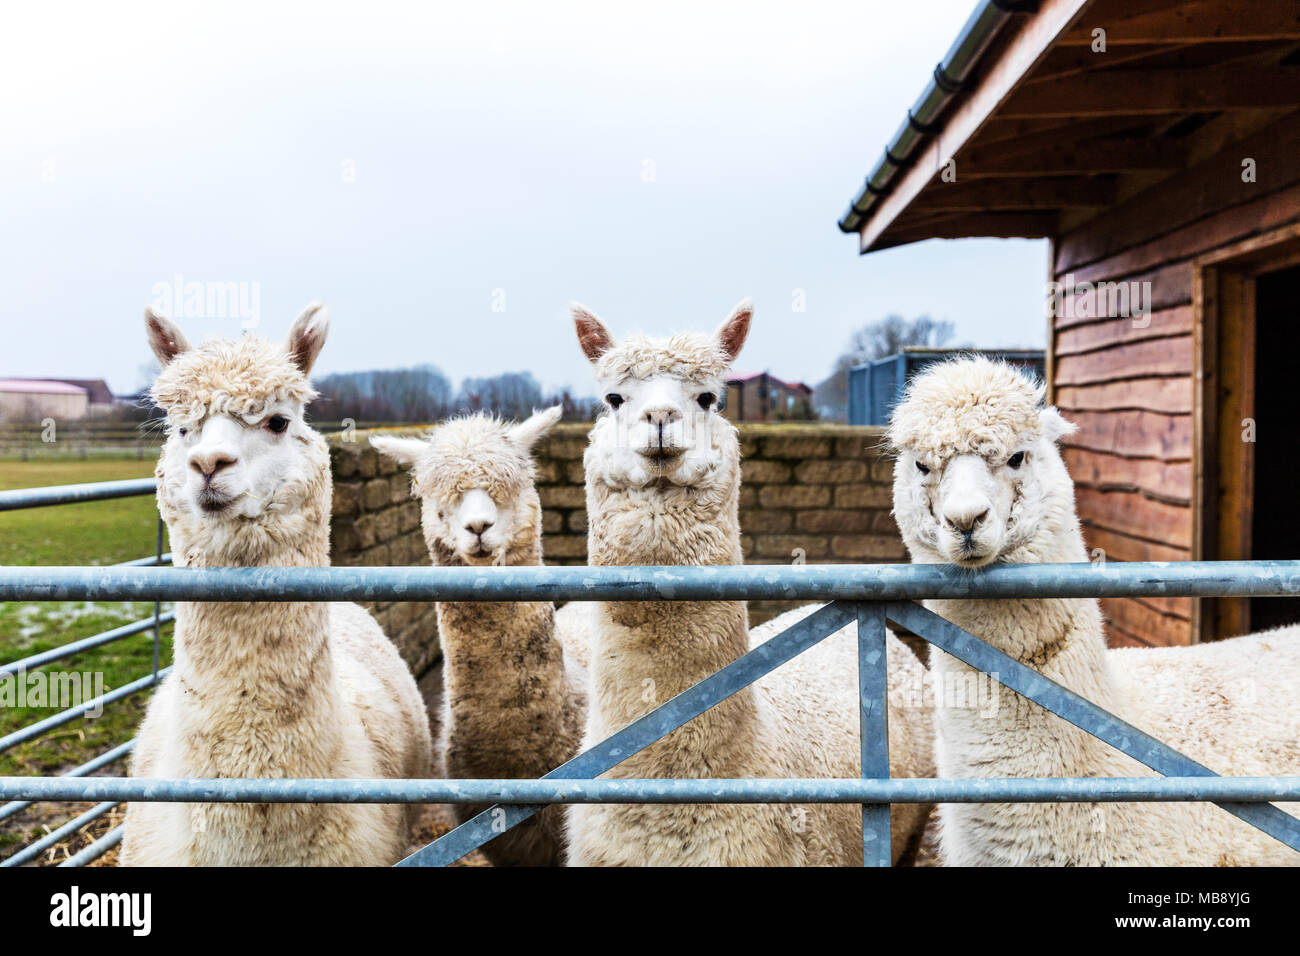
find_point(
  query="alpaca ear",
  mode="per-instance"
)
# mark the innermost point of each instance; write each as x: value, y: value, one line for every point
x: 593, y: 337
x: 1054, y: 426
x: 307, y: 336
x: 165, y: 338
x: 405, y: 451
x: 527, y: 433
x: 732, y: 333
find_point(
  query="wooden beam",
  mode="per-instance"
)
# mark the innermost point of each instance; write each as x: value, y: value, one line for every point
x: 1053, y: 192
x: 986, y: 225
x: 1022, y: 52
x: 1170, y: 395
x: 1209, y: 21
x: 1075, y: 157
x: 1157, y: 91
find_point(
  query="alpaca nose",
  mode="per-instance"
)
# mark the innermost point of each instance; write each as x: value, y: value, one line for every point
x: 478, y: 527
x: 208, y: 463
x: 965, y: 520
x: 661, y: 415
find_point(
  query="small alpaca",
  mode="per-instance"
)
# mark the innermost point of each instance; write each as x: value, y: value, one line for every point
x: 264, y: 689
x: 514, y: 697
x: 978, y: 479
x: 663, y: 483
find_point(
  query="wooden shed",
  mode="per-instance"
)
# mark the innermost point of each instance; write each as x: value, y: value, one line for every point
x: 1156, y: 144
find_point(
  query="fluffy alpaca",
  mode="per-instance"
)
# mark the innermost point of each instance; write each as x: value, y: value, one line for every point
x: 264, y: 689
x: 514, y: 698
x: 663, y: 481
x: 978, y: 479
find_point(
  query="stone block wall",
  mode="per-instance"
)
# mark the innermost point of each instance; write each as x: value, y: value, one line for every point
x: 813, y: 492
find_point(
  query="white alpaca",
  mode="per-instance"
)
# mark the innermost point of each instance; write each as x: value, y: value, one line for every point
x: 264, y: 689
x: 514, y: 699
x: 663, y: 481
x: 978, y: 480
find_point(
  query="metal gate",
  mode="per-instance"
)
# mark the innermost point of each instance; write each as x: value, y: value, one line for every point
x: 871, y: 595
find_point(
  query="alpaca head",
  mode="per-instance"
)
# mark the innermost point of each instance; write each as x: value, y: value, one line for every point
x: 661, y: 426
x: 978, y: 477
x: 239, y: 458
x: 474, y: 477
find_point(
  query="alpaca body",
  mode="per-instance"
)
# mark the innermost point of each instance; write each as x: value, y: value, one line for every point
x: 801, y: 720
x: 264, y: 689
x: 663, y: 486
x: 265, y: 705
x: 514, y: 695
x: 1174, y: 694
x: 979, y: 479
x: 513, y: 704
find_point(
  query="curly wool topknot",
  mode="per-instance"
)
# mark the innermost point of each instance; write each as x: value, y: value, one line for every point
x: 689, y: 356
x: 239, y: 377
x: 474, y: 451
x: 967, y: 406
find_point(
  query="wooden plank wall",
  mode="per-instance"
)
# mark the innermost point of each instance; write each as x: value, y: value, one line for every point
x: 1129, y: 385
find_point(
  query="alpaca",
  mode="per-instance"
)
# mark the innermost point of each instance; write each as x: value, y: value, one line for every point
x: 277, y: 689
x: 663, y: 482
x: 978, y: 479
x: 514, y: 697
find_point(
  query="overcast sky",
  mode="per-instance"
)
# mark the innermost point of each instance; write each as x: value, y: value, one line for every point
x: 447, y: 177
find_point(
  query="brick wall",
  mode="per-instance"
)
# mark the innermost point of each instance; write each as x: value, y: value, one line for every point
x: 819, y: 490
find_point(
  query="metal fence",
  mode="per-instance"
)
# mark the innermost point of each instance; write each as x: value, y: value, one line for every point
x: 63, y: 495
x: 869, y: 595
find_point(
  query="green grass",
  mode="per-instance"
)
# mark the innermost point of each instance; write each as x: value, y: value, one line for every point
x: 90, y: 533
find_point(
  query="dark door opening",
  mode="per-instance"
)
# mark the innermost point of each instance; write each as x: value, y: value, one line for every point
x: 1275, y: 520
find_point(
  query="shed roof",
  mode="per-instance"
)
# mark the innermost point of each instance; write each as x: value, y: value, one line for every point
x: 1045, y: 129
x: 39, y: 386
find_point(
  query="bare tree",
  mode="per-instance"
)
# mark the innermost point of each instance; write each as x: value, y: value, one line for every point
x: 874, y: 341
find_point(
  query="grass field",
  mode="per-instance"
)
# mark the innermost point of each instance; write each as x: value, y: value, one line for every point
x: 90, y: 533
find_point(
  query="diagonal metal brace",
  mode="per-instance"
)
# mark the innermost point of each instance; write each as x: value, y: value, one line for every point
x: 1084, y: 714
x: 644, y: 731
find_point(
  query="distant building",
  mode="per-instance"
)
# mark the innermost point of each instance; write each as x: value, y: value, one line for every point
x: 762, y: 397
x: 876, y: 387
x: 32, y: 399
x: 99, y: 396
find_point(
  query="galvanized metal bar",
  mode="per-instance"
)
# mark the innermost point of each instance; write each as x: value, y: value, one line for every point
x: 644, y: 731
x: 873, y: 697
x: 89, y: 767
x: 85, y: 644
x: 97, y: 849
x: 157, y: 605
x: 863, y: 582
x: 1084, y: 714
x: 33, y: 850
x: 70, y: 494
x: 848, y: 790
x: 32, y: 731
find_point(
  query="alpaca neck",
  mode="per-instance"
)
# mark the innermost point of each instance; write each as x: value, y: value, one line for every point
x: 649, y: 651
x: 259, y: 671
x: 486, y: 645
x: 1058, y: 637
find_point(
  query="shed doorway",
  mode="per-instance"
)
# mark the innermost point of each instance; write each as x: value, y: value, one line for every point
x: 1248, y: 422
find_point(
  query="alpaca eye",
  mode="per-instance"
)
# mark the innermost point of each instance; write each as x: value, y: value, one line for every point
x: 182, y: 432
x: 614, y: 400
x: 1016, y: 460
x: 277, y: 423
x: 922, y: 469
x: 706, y: 400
